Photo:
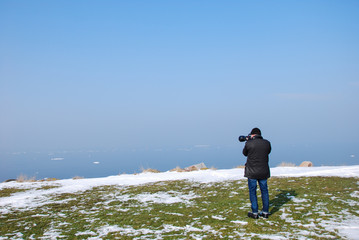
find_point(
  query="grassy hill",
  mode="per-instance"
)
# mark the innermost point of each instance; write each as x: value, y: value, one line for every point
x: 302, y: 208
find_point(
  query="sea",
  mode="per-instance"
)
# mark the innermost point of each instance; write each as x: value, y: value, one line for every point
x: 65, y: 164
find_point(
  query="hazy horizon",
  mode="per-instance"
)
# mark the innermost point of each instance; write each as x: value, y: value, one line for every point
x: 91, y: 75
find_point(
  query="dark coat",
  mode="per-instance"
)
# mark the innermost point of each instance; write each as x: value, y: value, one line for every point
x: 256, y: 150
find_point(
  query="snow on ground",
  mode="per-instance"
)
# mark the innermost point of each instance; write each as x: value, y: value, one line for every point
x: 38, y: 193
x: 35, y: 198
x: 350, y: 228
x: 161, y: 197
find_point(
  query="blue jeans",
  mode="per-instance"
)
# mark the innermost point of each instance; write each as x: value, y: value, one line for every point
x: 252, y: 186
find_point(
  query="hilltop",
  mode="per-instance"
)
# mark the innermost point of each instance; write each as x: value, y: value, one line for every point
x: 314, y: 203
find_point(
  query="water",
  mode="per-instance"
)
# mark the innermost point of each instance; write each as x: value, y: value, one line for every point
x: 68, y: 164
x: 88, y: 164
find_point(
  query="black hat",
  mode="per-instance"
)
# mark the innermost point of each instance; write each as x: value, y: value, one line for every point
x: 256, y: 131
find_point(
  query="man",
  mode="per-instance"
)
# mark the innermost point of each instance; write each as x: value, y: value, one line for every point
x: 257, y: 150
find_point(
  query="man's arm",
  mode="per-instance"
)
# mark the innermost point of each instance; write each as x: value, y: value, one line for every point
x: 245, y: 150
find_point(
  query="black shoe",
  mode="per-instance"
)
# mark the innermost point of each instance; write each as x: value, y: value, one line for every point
x: 253, y: 215
x: 264, y: 215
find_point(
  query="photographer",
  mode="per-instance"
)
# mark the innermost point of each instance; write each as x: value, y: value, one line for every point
x: 256, y: 150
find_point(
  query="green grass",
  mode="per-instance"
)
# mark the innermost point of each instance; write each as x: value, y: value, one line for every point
x: 301, y: 207
x: 6, y: 192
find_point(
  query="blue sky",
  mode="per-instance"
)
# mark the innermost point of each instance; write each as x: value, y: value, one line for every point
x: 175, y: 74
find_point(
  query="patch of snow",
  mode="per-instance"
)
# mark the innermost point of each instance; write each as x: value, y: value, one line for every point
x: 159, y: 197
x: 103, y: 231
x: 355, y: 194
x: 85, y: 233
x: 350, y: 202
x: 176, y: 214
x: 164, y: 197
x: 218, y: 217
x: 52, y: 234
x: 337, y: 171
x: 298, y: 200
x: 40, y: 215
x: 274, y: 237
x: 310, y: 225
x: 299, y: 208
x: 240, y: 222
x: 348, y: 228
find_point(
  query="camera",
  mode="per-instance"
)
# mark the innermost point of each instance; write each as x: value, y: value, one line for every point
x: 244, y: 138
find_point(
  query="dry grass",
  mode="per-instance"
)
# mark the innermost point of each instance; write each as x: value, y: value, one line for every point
x: 191, y: 169
x: 25, y: 178
x: 241, y: 166
x: 286, y: 164
x: 177, y: 169
x: 150, y: 170
x: 306, y: 164
x: 51, y: 179
x: 77, y: 177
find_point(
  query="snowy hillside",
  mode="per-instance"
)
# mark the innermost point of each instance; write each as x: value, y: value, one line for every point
x: 37, y: 196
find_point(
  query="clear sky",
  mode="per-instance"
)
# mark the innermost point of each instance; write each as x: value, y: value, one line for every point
x: 175, y: 74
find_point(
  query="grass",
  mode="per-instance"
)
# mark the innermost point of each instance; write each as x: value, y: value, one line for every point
x: 25, y: 178
x: 286, y: 164
x: 301, y: 207
x: 149, y: 170
x: 6, y: 192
